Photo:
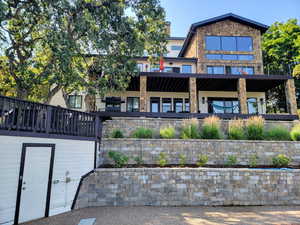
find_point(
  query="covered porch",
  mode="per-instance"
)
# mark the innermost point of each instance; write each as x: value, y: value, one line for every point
x: 171, y: 95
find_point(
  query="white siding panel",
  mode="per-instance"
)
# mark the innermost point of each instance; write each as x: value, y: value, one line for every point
x: 74, y: 156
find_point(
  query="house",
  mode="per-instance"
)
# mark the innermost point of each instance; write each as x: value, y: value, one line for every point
x: 216, y: 68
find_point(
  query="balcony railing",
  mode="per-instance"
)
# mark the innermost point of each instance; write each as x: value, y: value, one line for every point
x: 25, y: 116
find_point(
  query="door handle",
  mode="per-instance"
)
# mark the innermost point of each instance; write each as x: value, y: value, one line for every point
x: 23, y: 188
x: 55, y: 182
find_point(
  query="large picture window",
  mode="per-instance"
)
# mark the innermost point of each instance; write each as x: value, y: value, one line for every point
x: 133, y: 104
x: 229, y: 57
x: 215, y: 69
x: 223, y: 105
x: 237, y: 70
x: 155, y: 104
x: 75, y: 101
x: 228, y: 43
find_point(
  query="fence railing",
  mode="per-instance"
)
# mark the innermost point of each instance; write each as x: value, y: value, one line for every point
x: 20, y: 115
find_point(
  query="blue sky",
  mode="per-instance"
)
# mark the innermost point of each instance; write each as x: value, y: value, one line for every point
x: 182, y: 13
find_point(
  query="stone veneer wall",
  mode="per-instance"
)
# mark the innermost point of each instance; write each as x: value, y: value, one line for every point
x: 189, y: 187
x: 216, y: 150
x: 128, y: 125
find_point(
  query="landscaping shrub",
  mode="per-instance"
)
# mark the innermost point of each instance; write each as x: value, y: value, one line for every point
x: 117, y: 133
x: 277, y: 133
x: 236, y: 129
x: 202, y: 160
x: 255, y: 128
x: 182, y: 160
x: 167, y: 133
x: 142, y: 133
x: 138, y: 160
x: 295, y: 133
x: 281, y: 160
x: 231, y: 160
x: 211, y: 128
x: 253, y: 160
x: 119, y: 158
x: 162, y: 159
x: 189, y: 129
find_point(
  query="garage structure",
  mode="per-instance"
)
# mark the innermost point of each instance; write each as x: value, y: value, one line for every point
x: 45, y: 151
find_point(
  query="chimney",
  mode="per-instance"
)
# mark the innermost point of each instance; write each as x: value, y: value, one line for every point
x: 168, y: 28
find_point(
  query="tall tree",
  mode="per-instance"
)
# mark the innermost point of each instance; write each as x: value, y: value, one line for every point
x: 281, y: 53
x: 45, y: 44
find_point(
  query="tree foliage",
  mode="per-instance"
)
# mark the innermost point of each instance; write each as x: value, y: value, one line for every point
x: 68, y: 45
x: 281, y: 54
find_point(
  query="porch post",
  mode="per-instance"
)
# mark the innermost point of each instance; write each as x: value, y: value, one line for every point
x: 143, y: 93
x: 290, y: 95
x: 193, y: 95
x: 242, y: 95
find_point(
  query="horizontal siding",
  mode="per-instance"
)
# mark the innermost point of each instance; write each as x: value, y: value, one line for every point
x: 70, y: 155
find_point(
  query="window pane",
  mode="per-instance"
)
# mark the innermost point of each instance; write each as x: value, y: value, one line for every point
x: 244, y: 44
x: 186, y: 69
x: 140, y: 67
x: 166, y: 104
x: 213, y: 56
x: 228, y: 43
x: 210, y: 70
x: 176, y: 47
x: 132, y: 104
x: 154, y: 104
x: 235, y: 108
x: 187, y: 105
x: 235, y: 70
x: 252, y: 105
x: 228, y: 106
x: 154, y: 68
x: 212, y: 43
x: 178, y: 105
x: 168, y: 69
x: 245, y: 57
x: 230, y: 57
x: 218, y: 106
x: 75, y: 101
x: 218, y: 70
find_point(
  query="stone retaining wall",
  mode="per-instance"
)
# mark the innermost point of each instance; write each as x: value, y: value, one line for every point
x: 189, y: 187
x: 216, y: 150
x: 128, y: 125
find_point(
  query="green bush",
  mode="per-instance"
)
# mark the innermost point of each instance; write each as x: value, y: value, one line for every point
x: 138, y: 160
x: 182, y: 160
x: 162, y: 159
x: 295, y: 133
x: 189, y: 132
x: 281, y: 160
x: 277, y: 133
x: 202, y: 160
x: 167, y: 133
x: 117, y: 133
x: 142, y: 133
x: 211, y: 128
x: 119, y: 158
x: 253, y: 160
x: 231, y: 160
x: 236, y: 130
x: 255, y: 128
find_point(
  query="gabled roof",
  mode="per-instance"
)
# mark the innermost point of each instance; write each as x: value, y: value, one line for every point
x: 263, y: 28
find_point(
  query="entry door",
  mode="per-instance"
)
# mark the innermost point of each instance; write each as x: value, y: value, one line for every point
x: 35, y: 182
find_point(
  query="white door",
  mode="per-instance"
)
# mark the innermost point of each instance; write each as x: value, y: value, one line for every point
x: 35, y: 183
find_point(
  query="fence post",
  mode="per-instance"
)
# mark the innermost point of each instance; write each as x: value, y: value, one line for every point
x: 48, y: 119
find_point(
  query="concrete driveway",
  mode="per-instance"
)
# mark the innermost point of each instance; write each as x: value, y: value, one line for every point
x: 178, y: 215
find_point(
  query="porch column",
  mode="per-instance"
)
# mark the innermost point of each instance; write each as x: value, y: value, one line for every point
x: 290, y: 95
x: 242, y: 95
x: 143, y: 93
x: 193, y: 95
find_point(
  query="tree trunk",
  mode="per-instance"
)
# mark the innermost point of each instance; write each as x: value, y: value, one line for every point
x: 22, y: 93
x: 90, y: 103
x: 51, y: 94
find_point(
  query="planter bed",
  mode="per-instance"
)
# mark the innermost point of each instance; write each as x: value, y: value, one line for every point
x: 189, y: 187
x: 217, y: 151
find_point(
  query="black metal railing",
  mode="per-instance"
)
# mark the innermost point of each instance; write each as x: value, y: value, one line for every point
x: 25, y: 116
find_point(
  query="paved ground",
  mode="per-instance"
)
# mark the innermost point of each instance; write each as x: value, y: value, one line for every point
x: 178, y: 216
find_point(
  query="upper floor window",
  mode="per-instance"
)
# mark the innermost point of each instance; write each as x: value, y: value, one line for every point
x: 75, y: 101
x: 237, y: 70
x: 215, y: 69
x: 228, y: 43
x: 175, y: 47
x: 186, y: 69
x: 229, y: 57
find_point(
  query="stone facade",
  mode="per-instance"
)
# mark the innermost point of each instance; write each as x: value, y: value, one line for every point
x: 128, y: 125
x: 217, y: 151
x: 189, y: 187
x: 225, y: 28
x: 143, y: 94
x: 193, y: 95
x: 242, y: 95
x: 291, y: 96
